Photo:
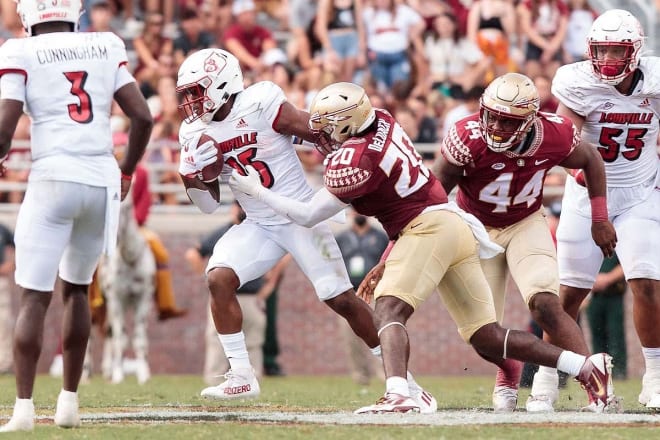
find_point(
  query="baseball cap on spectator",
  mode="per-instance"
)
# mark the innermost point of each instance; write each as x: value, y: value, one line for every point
x: 274, y: 56
x: 241, y: 6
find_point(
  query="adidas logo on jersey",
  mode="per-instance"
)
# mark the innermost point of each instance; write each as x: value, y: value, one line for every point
x: 645, y: 103
x: 241, y: 123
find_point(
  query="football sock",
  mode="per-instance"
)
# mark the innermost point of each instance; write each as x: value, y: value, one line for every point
x: 570, y: 362
x: 398, y: 385
x: 548, y: 370
x: 235, y: 350
x: 652, y: 359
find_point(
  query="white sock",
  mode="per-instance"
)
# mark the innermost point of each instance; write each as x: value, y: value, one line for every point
x: 398, y: 385
x: 68, y: 396
x: 24, y: 406
x: 570, y: 362
x: 652, y: 359
x: 376, y: 351
x: 547, y: 370
x: 235, y: 350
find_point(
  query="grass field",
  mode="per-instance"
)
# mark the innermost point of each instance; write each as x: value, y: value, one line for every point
x: 169, y: 407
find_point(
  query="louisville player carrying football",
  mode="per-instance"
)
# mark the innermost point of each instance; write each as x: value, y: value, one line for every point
x: 434, y: 244
x: 67, y: 81
x: 499, y: 158
x: 252, y: 129
x: 614, y: 101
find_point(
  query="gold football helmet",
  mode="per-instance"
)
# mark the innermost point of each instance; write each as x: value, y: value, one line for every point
x: 341, y: 110
x: 507, y: 111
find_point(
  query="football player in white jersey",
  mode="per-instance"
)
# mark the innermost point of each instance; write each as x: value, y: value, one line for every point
x: 66, y: 81
x: 614, y: 98
x: 254, y: 127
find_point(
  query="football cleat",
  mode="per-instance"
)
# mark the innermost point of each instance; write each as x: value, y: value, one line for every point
x: 650, y: 395
x: 390, y: 403
x: 505, y: 399
x: 240, y: 383
x: 426, y: 402
x: 596, y: 379
x: 66, y: 412
x: 23, y: 417
x: 544, y: 393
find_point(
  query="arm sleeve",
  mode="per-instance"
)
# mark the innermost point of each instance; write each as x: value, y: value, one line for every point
x: 321, y: 207
x: 454, y: 148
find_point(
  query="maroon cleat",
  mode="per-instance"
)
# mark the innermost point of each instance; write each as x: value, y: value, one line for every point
x: 596, y: 379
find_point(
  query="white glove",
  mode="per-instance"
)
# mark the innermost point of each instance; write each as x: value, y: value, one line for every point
x: 194, y: 160
x: 249, y: 184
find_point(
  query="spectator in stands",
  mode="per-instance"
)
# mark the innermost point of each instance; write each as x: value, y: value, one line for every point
x: 304, y: 48
x: 6, y: 311
x: 165, y: 7
x: 10, y: 23
x: 428, y: 127
x: 456, y: 63
x: 100, y: 16
x: 340, y: 29
x: 468, y: 105
x: 150, y: 46
x: 361, y: 247
x: 548, y: 103
x: 192, y: 36
x: 429, y: 9
x: 580, y: 19
x: 245, y: 39
x: 492, y: 26
x: 391, y: 29
x: 543, y: 23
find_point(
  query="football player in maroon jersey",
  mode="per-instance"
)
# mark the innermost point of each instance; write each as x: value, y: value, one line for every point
x: 499, y: 158
x: 435, y: 244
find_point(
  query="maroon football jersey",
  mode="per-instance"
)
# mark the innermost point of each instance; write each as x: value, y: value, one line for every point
x: 501, y: 189
x: 383, y: 176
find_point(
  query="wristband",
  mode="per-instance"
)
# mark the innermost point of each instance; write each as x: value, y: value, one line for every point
x: 126, y: 176
x: 599, y: 209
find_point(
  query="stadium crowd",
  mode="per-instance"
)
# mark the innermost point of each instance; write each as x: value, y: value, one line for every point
x: 427, y: 61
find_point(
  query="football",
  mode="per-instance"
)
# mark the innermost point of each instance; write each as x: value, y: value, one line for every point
x: 211, y: 172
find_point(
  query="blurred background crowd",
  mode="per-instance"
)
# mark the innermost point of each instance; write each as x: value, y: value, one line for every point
x: 427, y: 61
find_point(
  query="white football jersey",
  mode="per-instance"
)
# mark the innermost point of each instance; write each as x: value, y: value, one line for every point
x: 70, y: 80
x: 623, y: 128
x: 246, y: 137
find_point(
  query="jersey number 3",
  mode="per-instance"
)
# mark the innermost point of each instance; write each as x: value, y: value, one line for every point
x: 81, y: 113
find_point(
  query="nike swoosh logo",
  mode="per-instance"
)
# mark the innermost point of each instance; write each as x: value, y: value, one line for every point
x: 539, y: 162
x: 600, y: 390
x: 414, y: 226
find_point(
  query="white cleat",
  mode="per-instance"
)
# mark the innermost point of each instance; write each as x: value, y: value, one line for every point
x: 545, y: 392
x: 66, y: 412
x: 650, y: 395
x: 390, y: 403
x: 425, y: 400
x: 241, y: 383
x: 22, y: 418
x: 505, y: 399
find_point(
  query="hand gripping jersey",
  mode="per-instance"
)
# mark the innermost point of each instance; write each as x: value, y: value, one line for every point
x: 70, y: 82
x: 247, y: 137
x: 501, y: 189
x: 623, y: 128
x: 383, y: 176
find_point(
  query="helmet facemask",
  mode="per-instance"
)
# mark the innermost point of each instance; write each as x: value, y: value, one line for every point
x: 503, y: 130
x: 206, y: 81
x: 613, y: 61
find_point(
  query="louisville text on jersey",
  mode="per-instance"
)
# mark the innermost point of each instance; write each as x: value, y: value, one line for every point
x: 626, y: 118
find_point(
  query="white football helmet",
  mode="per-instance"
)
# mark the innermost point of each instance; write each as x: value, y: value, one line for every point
x: 341, y: 110
x: 41, y: 11
x: 507, y: 111
x: 206, y: 81
x: 614, y: 43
